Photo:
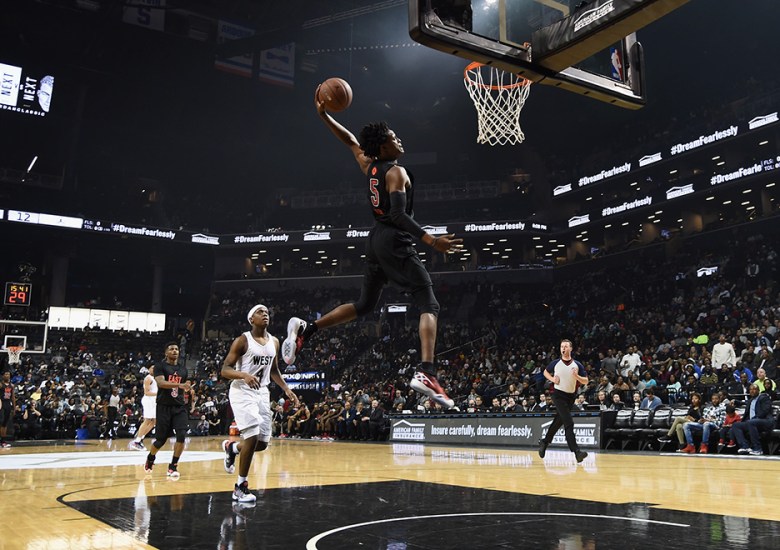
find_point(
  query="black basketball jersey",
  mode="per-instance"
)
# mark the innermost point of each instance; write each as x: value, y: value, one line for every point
x: 379, y: 198
x: 7, y: 393
x: 171, y: 373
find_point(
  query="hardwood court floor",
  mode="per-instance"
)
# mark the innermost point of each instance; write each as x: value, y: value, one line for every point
x: 321, y: 495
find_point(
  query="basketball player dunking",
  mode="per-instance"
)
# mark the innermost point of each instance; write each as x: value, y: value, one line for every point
x: 149, y: 405
x: 390, y: 252
x: 251, y: 364
x: 564, y: 373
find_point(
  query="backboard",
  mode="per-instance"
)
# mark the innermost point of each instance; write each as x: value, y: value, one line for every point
x: 31, y: 335
x: 586, y: 47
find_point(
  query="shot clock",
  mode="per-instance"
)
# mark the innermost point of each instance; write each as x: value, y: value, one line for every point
x: 17, y: 294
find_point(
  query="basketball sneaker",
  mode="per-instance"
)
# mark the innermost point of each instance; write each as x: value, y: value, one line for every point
x: 427, y: 384
x: 542, y: 448
x: 580, y: 456
x: 241, y: 493
x: 230, y: 456
x: 148, y: 466
x: 294, y: 341
x: 173, y: 473
x: 136, y: 445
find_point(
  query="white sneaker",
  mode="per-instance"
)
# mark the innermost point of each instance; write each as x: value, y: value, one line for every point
x: 241, y: 493
x: 294, y: 341
x: 136, y: 446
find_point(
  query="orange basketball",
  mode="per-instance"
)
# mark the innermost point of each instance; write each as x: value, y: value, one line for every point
x: 336, y: 93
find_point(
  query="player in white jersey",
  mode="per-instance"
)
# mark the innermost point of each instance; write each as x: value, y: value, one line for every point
x: 564, y: 373
x: 149, y: 405
x: 251, y: 364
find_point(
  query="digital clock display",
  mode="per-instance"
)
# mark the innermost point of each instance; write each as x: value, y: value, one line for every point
x: 17, y: 294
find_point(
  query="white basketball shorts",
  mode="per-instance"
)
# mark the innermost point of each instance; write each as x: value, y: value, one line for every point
x: 252, y: 411
x: 149, y: 404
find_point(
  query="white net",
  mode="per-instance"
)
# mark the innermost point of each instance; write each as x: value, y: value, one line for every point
x: 499, y: 97
x: 14, y: 354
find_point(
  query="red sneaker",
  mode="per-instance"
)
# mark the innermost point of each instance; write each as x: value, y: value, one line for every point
x: 427, y: 384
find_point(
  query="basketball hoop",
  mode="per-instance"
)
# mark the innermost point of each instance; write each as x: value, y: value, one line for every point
x: 14, y: 354
x: 499, y: 97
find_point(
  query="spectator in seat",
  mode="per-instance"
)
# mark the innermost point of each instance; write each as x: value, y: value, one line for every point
x: 541, y: 405
x: 694, y: 413
x: 764, y: 383
x: 203, y: 426
x: 361, y: 421
x: 712, y: 419
x: 732, y: 417
x: 673, y: 389
x: 742, y: 368
x: 602, y: 401
x: 758, y: 418
x: 766, y: 361
x: 617, y: 404
x: 636, y: 402
x: 376, y: 421
x: 651, y: 401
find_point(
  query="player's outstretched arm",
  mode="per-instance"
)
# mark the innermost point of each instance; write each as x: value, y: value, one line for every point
x: 343, y: 135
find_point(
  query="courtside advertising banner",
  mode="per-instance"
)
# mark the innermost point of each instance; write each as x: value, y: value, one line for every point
x: 520, y: 431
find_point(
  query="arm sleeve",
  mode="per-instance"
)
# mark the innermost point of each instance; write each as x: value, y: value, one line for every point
x: 400, y: 218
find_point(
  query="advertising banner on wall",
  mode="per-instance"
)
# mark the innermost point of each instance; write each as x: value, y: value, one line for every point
x: 520, y: 431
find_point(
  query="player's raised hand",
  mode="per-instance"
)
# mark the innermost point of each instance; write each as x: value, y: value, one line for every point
x: 319, y: 105
x: 447, y: 243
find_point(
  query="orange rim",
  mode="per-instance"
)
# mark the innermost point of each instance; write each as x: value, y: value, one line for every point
x: 476, y: 64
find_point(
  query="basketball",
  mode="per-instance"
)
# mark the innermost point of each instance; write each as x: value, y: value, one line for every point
x: 336, y: 93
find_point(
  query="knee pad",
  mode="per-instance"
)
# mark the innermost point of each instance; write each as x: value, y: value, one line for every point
x: 181, y: 438
x: 158, y: 443
x: 261, y: 446
x: 426, y: 302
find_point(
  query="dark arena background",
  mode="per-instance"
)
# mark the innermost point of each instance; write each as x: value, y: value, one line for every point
x: 163, y: 169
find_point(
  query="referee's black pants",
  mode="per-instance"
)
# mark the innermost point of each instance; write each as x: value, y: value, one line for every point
x: 563, y: 403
